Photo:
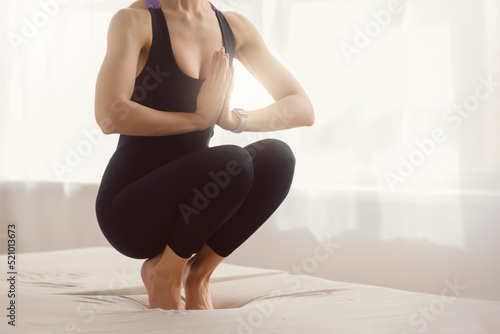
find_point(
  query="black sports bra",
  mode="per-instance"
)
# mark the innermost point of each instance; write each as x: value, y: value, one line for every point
x: 163, y: 86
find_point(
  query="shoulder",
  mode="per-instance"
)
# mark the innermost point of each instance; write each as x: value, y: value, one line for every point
x: 236, y: 18
x: 245, y: 33
x: 132, y: 23
x: 133, y: 16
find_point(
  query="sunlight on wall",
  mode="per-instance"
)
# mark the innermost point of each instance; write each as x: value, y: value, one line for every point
x: 247, y: 94
x: 370, y: 108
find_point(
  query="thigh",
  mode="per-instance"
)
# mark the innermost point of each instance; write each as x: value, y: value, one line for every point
x: 141, y: 218
x: 273, y: 168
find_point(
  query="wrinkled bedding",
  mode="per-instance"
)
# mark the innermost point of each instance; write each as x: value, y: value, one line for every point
x: 98, y: 290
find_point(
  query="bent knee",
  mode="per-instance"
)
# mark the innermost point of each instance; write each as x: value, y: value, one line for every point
x: 238, y: 164
x: 277, y: 151
x: 274, y: 162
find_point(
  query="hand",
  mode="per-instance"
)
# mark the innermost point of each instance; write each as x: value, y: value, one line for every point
x: 213, y: 91
x: 227, y: 119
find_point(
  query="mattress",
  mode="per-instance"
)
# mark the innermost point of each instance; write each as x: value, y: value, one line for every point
x: 98, y: 290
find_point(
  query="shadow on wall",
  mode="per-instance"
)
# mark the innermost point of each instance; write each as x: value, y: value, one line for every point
x: 49, y: 216
x: 358, y: 257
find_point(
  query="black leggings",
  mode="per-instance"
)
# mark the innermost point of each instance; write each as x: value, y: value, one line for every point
x: 218, y: 195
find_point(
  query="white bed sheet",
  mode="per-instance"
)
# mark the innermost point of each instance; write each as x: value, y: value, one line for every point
x: 98, y: 290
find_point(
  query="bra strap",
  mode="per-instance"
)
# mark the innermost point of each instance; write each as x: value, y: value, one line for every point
x: 155, y: 4
x: 152, y: 3
x: 213, y: 7
x: 227, y: 36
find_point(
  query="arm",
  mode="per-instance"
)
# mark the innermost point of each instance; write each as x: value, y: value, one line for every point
x: 292, y: 107
x: 114, y: 111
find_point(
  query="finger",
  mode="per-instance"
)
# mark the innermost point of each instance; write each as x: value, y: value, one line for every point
x: 212, y: 66
x: 216, y: 67
x: 232, y: 76
x: 229, y: 74
x: 230, y: 81
x: 224, y: 69
x: 220, y: 68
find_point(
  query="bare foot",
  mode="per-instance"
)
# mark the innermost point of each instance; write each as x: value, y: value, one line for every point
x: 196, y: 289
x: 163, y: 291
x: 198, y: 296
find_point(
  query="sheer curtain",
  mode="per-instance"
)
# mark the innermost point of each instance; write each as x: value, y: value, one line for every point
x: 391, y: 153
x: 371, y: 106
x: 402, y: 144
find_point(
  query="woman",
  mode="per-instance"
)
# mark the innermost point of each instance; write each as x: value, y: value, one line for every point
x: 165, y: 194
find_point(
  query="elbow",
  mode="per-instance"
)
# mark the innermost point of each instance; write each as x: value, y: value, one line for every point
x: 109, y: 119
x: 107, y: 128
x: 107, y: 125
x: 103, y: 121
x: 310, y: 118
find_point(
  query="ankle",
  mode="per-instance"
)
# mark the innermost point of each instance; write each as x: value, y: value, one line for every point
x: 164, y: 274
x: 197, y: 276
